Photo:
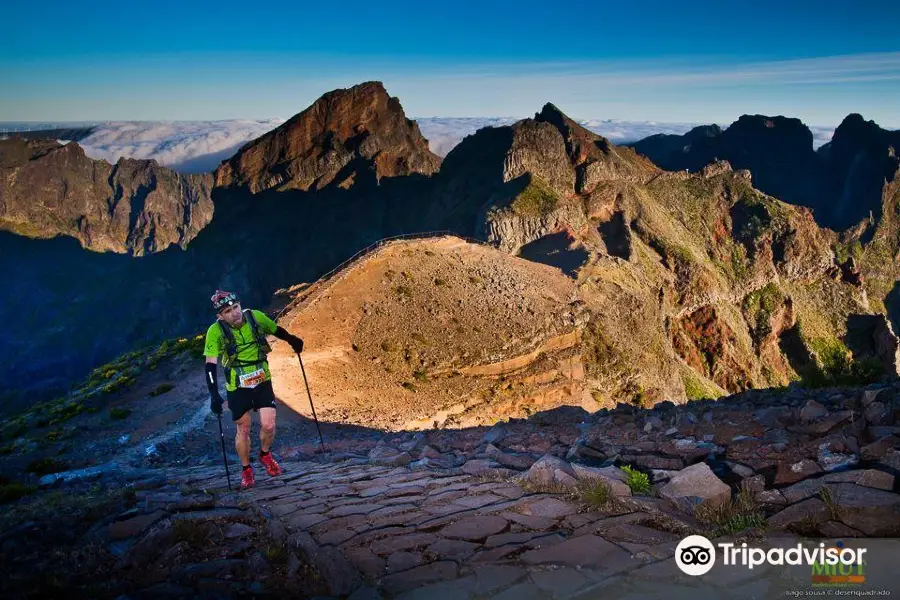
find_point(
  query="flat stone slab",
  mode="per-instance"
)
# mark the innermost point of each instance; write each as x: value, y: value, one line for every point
x: 354, y: 509
x: 501, y: 539
x: 304, y: 520
x: 119, y: 530
x: 874, y: 512
x: 397, y: 583
x: 236, y: 530
x: 489, y: 578
x: 528, y: 521
x: 375, y: 490
x: 550, y: 508
x: 638, y: 534
x: 475, y: 528
x: 402, y: 542
x: 522, y: 591
x: 810, y: 510
x: 560, y: 582
x: 585, y: 551
x: 401, y: 561
x: 366, y: 561
x: 453, y: 549
x: 866, y: 477
x: 478, y: 501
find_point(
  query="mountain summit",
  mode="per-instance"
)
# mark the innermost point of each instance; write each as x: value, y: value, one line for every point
x: 346, y: 136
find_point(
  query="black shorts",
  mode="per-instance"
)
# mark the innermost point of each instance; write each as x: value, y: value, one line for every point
x: 243, y: 399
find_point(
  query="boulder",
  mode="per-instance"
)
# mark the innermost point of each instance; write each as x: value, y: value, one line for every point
x: 549, y: 470
x: 812, y: 410
x: 695, y: 486
x: 874, y: 512
x: 811, y: 511
x: 613, y: 477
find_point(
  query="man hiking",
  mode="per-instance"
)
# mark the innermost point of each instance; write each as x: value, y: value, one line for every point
x: 239, y: 337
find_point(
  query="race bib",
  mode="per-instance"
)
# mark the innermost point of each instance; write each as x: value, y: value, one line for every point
x: 251, y: 380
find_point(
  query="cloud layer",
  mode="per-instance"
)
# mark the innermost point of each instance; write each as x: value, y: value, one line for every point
x: 199, y: 146
x: 444, y: 133
x: 186, y: 146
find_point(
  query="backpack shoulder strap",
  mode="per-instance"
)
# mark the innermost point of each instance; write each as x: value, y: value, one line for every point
x: 258, y: 337
x: 230, y: 343
x: 248, y: 314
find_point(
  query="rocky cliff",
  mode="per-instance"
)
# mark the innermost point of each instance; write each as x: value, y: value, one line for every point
x: 842, y: 182
x: 347, y: 137
x: 729, y: 283
x: 135, y: 206
x: 859, y: 161
x: 71, y: 296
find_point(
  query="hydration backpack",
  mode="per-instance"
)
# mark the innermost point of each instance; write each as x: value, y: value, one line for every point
x: 229, y: 359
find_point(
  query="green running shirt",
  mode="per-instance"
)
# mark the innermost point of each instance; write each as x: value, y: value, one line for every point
x: 246, y: 347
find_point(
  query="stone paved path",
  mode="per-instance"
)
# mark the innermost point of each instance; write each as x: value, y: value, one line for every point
x: 390, y: 532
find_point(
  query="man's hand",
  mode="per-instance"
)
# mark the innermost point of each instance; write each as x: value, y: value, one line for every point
x: 296, y: 344
x: 215, y: 404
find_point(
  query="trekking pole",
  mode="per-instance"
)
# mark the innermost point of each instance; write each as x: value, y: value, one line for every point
x: 225, y: 456
x: 321, y: 440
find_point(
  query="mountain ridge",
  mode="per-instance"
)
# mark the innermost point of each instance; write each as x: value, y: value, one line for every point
x: 691, y: 253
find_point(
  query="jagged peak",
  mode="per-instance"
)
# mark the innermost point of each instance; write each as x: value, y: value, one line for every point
x: 361, y: 122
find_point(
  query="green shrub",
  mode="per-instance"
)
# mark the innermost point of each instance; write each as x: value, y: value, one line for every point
x: 731, y: 517
x: 760, y: 305
x: 535, y: 200
x: 837, y: 368
x: 191, y: 532
x: 12, y: 491
x: 696, y: 389
x: 118, y: 414
x: 162, y: 389
x: 420, y: 375
x: 595, y: 493
x: 637, y: 481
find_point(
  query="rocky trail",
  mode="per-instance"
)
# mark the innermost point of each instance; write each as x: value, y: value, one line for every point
x: 554, y: 506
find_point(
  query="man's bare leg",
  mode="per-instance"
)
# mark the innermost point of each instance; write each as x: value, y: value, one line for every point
x: 267, y: 428
x: 242, y: 439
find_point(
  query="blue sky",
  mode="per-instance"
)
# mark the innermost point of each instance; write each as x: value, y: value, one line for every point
x: 663, y: 61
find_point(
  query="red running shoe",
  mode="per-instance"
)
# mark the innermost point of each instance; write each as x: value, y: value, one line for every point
x: 272, y: 467
x: 247, y: 479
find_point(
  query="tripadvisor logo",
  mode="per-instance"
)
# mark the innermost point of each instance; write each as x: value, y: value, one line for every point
x: 696, y: 555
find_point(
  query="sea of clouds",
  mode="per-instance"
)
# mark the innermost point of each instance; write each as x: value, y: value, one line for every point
x: 185, y: 146
x: 199, y: 146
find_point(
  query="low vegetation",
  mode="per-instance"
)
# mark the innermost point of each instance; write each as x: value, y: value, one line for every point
x: 637, y: 481
x: 836, y: 367
x: 93, y: 393
x: 596, y: 493
x: 759, y: 306
x: 536, y: 200
x: 738, y: 514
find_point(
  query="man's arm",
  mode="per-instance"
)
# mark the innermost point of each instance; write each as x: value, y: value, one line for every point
x: 212, y: 383
x: 295, y: 342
